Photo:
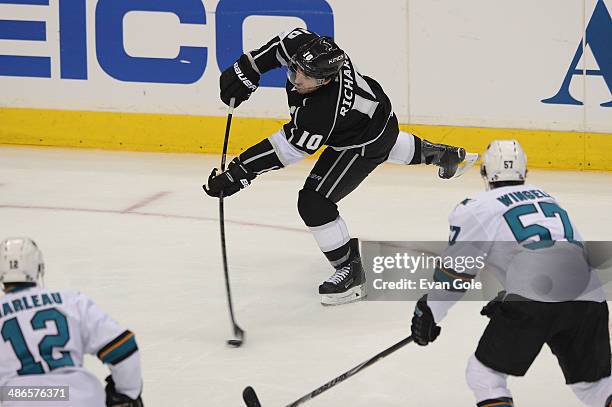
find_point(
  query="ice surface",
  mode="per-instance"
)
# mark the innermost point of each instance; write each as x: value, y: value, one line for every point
x: 136, y: 233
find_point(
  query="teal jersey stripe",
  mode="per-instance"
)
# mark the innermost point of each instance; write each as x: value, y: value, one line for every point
x: 121, y: 352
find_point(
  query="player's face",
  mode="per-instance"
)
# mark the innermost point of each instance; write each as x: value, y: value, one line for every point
x: 303, y: 83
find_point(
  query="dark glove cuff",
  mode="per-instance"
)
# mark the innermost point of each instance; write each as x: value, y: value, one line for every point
x: 245, y: 65
x: 239, y: 170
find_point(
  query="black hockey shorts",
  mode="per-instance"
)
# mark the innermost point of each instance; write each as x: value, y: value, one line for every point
x: 337, y: 173
x: 576, y: 332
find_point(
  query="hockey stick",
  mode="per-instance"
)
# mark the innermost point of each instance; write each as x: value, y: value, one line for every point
x: 238, y: 332
x: 250, y: 397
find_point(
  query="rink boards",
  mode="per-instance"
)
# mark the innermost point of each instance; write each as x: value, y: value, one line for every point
x: 177, y: 133
x: 144, y: 76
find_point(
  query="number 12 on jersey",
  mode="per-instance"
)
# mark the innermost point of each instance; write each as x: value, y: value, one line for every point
x: 12, y: 333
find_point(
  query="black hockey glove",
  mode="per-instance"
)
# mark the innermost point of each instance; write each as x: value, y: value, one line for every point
x: 238, y: 81
x: 114, y: 399
x: 424, y: 328
x: 232, y: 180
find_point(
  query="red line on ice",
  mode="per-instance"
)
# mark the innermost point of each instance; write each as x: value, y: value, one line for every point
x: 145, y: 201
x: 154, y: 214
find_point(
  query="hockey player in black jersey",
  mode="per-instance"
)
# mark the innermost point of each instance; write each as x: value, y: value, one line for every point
x: 330, y: 104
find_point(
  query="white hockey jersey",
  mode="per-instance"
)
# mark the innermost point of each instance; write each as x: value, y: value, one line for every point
x: 529, y: 242
x: 45, y: 334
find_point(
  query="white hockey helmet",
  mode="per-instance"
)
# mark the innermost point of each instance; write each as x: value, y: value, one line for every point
x: 504, y: 160
x: 21, y: 261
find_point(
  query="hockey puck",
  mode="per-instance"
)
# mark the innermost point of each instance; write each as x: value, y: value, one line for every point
x: 234, y: 342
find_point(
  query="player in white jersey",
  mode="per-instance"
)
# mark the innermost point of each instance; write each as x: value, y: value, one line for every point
x: 45, y: 334
x: 551, y: 296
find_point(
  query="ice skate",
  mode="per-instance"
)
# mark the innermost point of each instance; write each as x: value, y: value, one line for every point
x: 448, y: 158
x: 347, y: 284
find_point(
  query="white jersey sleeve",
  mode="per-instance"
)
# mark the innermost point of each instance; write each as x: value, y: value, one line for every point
x: 114, y: 346
x: 468, y: 243
x: 469, y: 238
x: 466, y: 223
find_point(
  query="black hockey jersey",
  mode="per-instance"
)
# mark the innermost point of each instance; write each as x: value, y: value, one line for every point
x: 352, y: 111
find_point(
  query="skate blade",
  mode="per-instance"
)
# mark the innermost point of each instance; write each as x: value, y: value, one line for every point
x: 353, y: 294
x: 466, y: 164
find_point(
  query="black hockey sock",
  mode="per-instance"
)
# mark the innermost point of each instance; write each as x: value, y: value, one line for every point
x: 416, y: 158
x: 498, y: 402
x: 430, y: 152
x: 340, y: 256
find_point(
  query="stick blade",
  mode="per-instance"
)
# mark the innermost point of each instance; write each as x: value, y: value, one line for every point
x: 250, y: 397
x: 237, y: 342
